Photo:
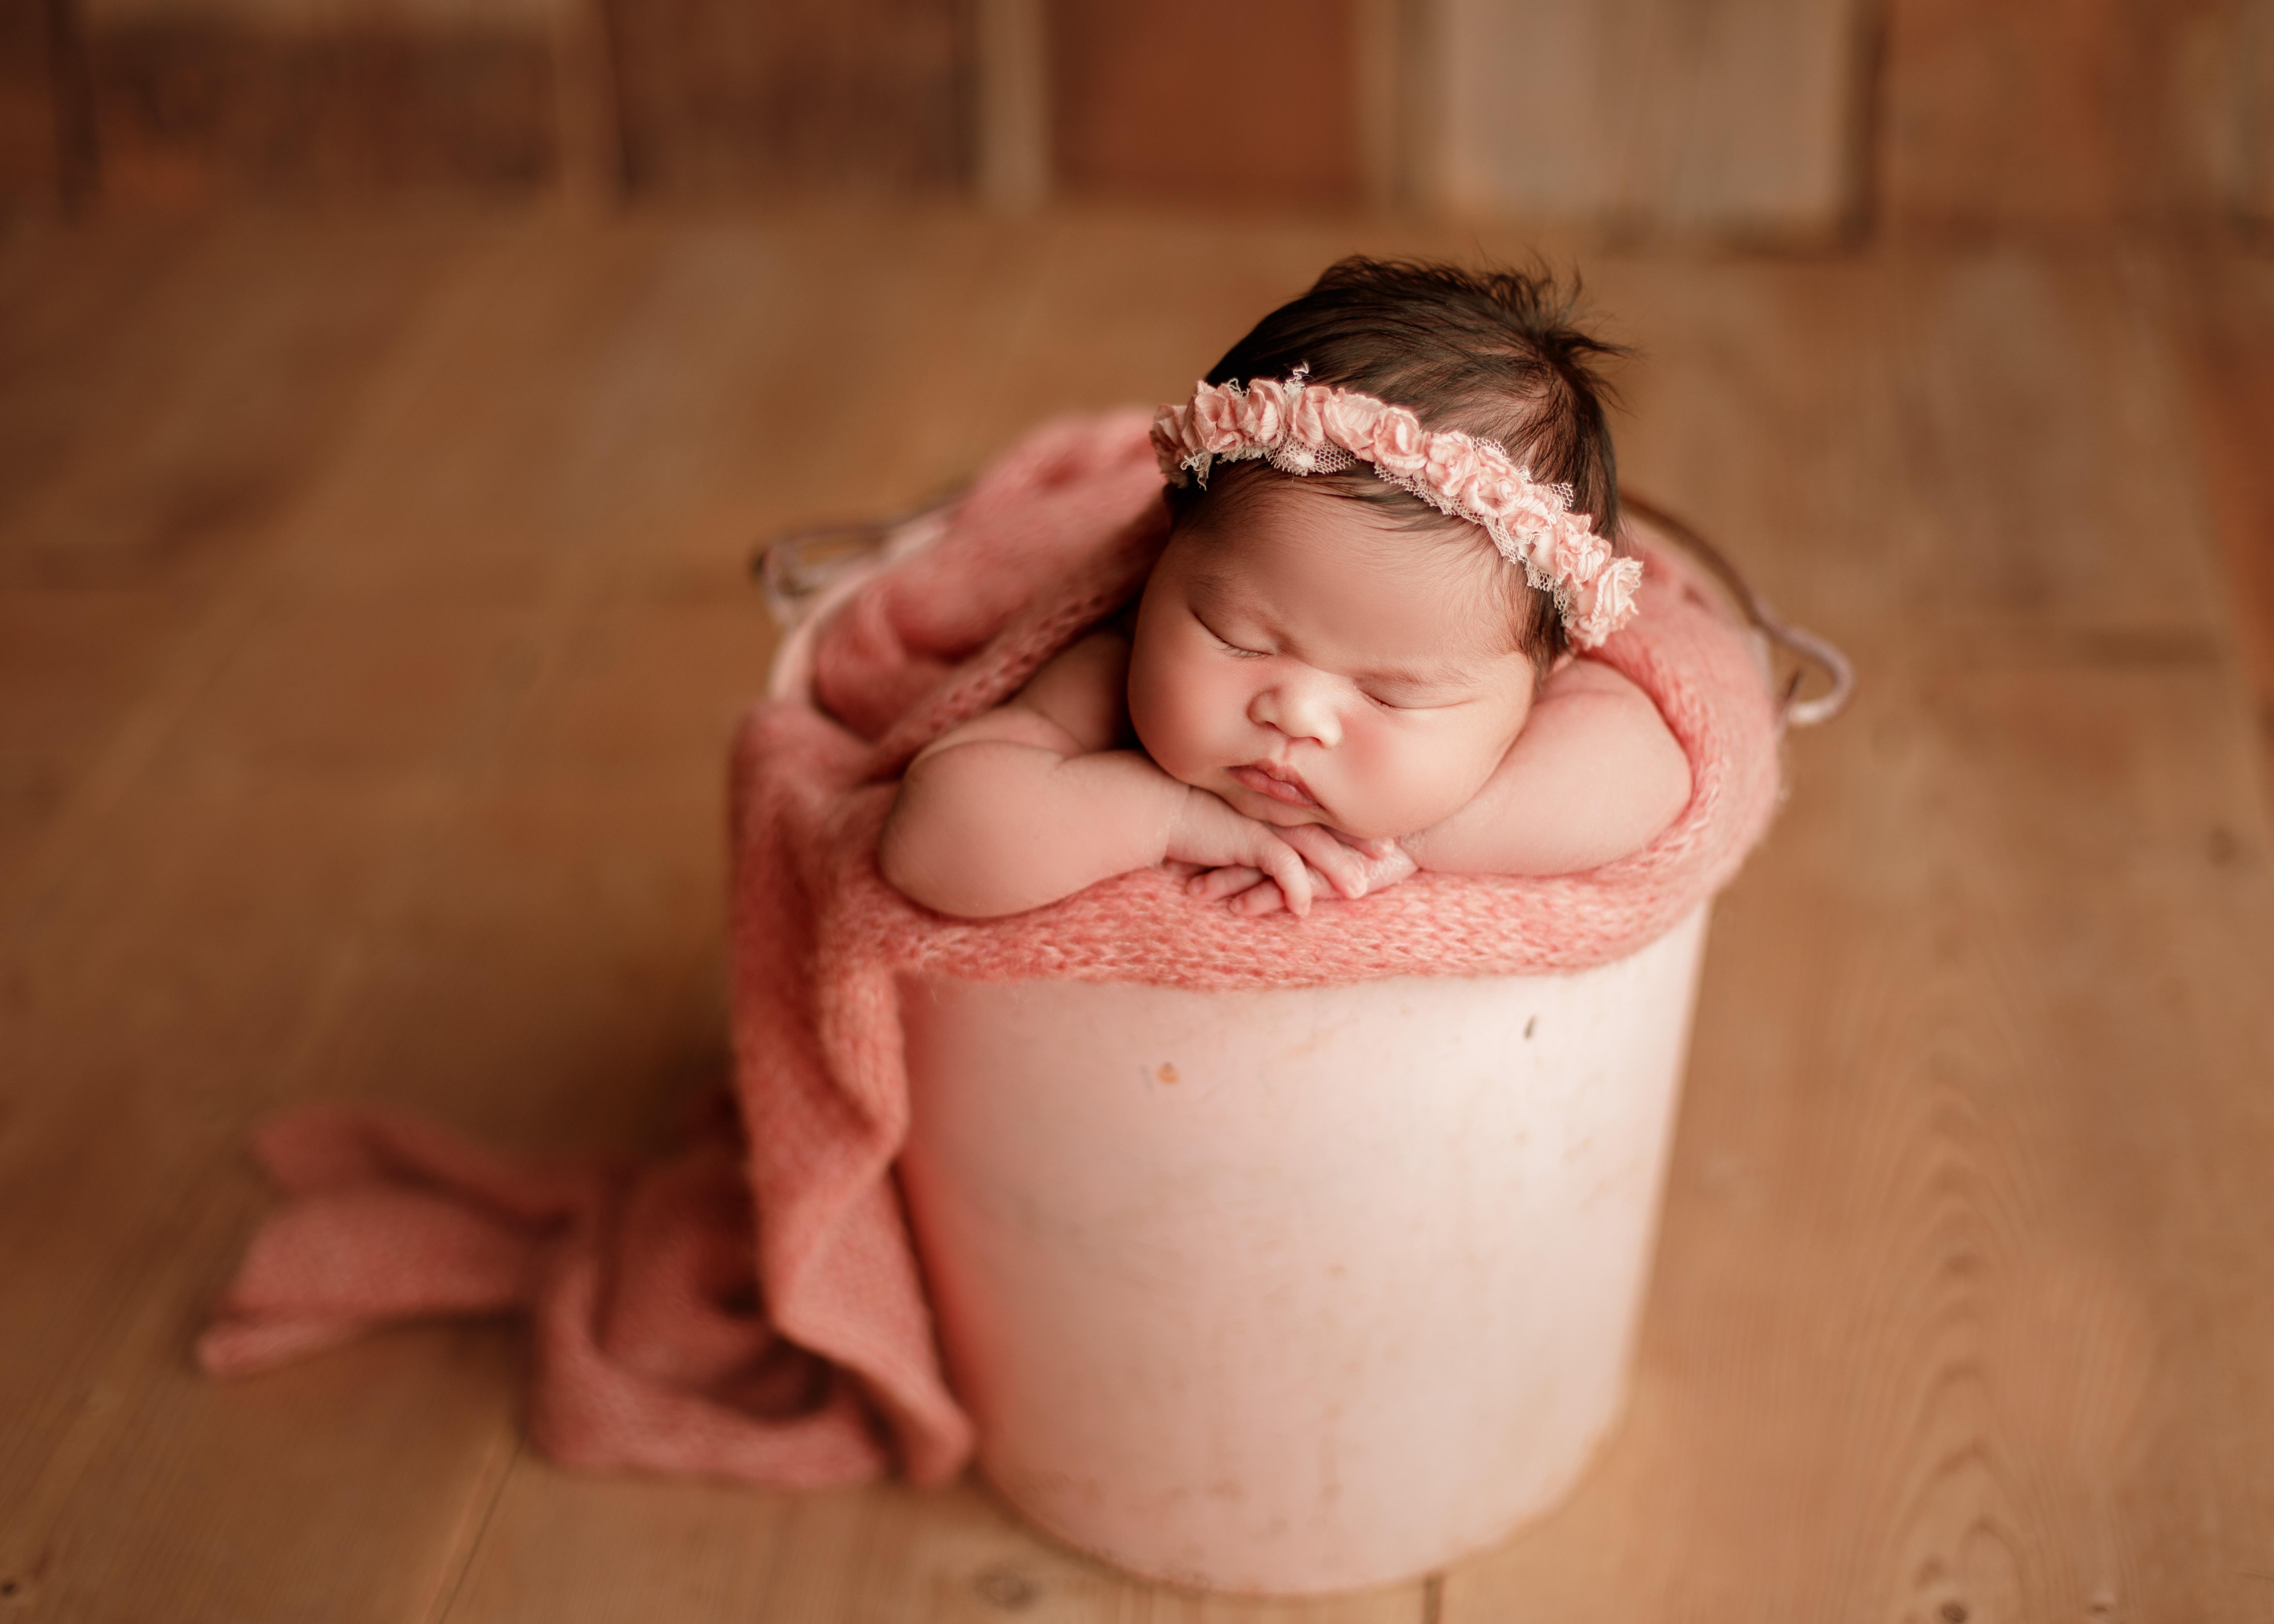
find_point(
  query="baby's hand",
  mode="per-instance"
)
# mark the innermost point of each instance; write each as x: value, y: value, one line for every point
x: 1351, y: 865
x: 1209, y: 835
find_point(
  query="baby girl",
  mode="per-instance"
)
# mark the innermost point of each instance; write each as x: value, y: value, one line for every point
x: 1395, y: 536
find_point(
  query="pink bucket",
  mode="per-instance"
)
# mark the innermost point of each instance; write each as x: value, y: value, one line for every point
x: 1297, y: 1291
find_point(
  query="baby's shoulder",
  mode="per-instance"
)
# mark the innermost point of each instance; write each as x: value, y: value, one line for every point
x: 1586, y: 698
x: 1580, y: 676
x: 1597, y: 724
x: 1084, y: 688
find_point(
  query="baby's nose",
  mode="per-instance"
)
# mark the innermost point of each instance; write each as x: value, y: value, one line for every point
x: 1297, y: 708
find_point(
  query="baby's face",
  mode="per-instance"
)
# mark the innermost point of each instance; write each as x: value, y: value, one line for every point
x: 1312, y: 665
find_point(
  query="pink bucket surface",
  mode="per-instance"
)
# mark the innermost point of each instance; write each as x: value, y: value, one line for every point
x: 1293, y: 1291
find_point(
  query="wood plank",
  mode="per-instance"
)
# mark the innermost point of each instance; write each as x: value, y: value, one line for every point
x: 573, y: 1549
x: 1736, y: 120
x: 189, y: 108
x: 870, y: 96
x: 2223, y: 312
x: 1183, y: 101
x: 2076, y: 114
x: 163, y: 393
x: 34, y: 108
x: 1011, y: 93
x: 151, y: 1061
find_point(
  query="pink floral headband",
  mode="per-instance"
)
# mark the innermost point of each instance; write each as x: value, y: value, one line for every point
x: 1307, y: 428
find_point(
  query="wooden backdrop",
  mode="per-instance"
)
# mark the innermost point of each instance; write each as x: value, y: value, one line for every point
x: 1791, y: 122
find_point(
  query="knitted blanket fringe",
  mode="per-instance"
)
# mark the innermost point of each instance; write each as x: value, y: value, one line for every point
x: 751, y: 1308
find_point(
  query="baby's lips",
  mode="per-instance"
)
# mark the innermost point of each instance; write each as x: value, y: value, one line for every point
x: 1275, y: 783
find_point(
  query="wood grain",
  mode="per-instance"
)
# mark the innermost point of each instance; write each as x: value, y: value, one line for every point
x: 1740, y: 120
x: 41, y: 108
x: 1794, y: 123
x: 396, y: 778
x: 1254, y: 103
x: 2075, y: 114
x: 190, y: 110
x: 2223, y: 310
x: 807, y: 96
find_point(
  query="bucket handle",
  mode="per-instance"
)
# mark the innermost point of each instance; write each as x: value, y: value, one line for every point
x: 797, y: 566
x: 1803, y: 645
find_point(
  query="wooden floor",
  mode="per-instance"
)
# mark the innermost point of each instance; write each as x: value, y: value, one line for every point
x: 372, y: 612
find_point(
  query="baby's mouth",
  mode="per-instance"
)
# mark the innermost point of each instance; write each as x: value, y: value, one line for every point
x: 1277, y: 782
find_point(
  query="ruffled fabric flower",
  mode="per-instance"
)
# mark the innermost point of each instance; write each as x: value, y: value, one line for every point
x: 1575, y: 555
x: 1264, y: 412
x: 1452, y: 465
x: 1307, y: 417
x: 1605, y: 603
x: 1216, y: 427
x: 1169, y: 447
x: 1498, y: 493
x: 1349, y: 422
x: 1400, y: 443
x: 1543, y: 506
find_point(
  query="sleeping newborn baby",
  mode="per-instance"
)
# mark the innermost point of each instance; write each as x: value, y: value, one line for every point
x: 1363, y: 650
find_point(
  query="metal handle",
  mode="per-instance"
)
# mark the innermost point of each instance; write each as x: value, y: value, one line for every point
x: 797, y: 566
x: 1803, y: 645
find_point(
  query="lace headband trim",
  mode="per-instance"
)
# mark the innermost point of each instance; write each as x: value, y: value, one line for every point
x: 1305, y: 428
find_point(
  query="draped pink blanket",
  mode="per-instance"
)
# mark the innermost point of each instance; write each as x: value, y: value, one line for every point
x: 676, y: 1332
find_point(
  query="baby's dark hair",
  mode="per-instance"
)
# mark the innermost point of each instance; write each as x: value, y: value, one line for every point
x: 1498, y: 353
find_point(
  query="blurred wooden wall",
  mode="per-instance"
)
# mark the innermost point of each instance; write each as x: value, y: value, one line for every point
x: 2076, y: 112
x: 1743, y: 118
x: 1754, y: 120
x: 1244, y: 103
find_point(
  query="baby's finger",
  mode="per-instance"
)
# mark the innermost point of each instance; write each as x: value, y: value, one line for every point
x: 1391, y: 868
x: 1341, y: 865
x: 1269, y: 898
x: 1263, y: 899
x: 1286, y: 866
x: 1181, y: 869
x: 1214, y: 884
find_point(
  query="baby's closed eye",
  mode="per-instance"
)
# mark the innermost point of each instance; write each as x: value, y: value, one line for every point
x: 1397, y: 699
x: 1230, y: 643
x: 1391, y: 694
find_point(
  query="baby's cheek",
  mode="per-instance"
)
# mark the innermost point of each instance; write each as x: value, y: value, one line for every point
x: 1377, y: 779
x: 1173, y: 713
x: 1424, y: 779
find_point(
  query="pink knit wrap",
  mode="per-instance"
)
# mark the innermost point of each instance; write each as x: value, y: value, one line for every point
x: 658, y: 1349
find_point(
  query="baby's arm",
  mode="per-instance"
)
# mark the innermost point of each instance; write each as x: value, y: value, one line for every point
x: 1595, y: 775
x: 1032, y: 802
